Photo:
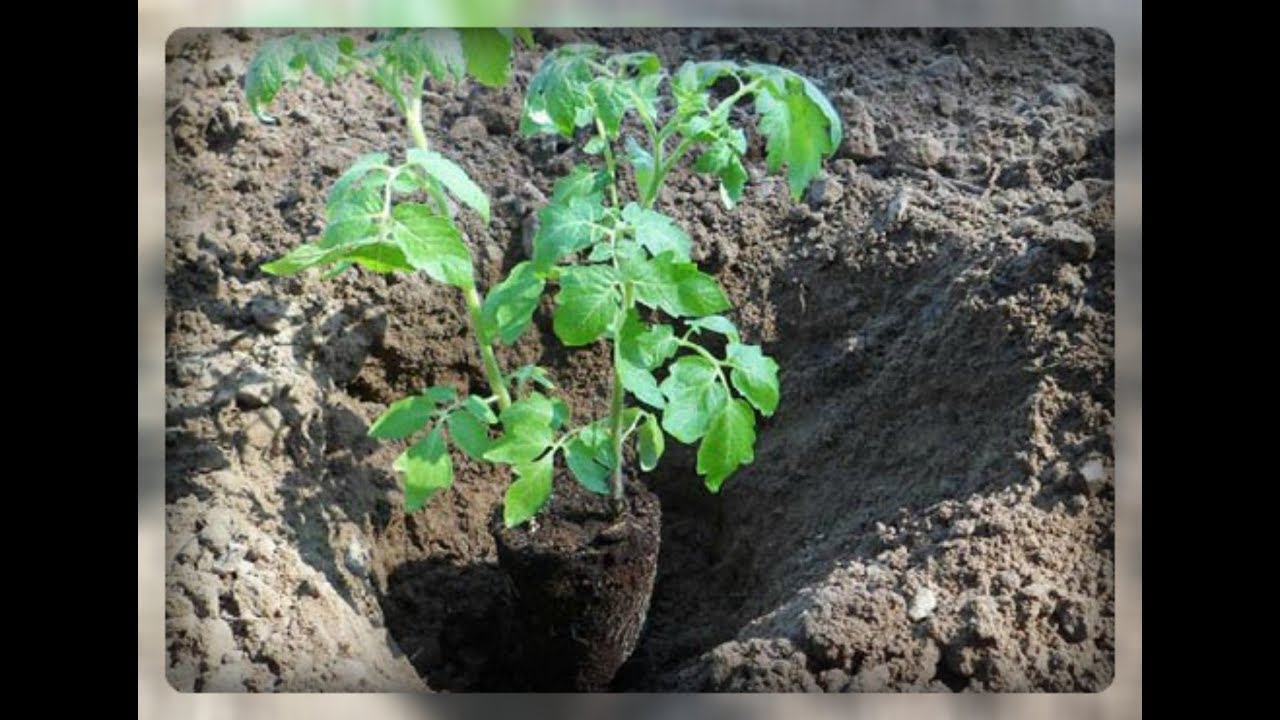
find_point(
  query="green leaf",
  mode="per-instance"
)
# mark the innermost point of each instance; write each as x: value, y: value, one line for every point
x: 453, y: 177
x: 580, y: 457
x: 641, y: 162
x: 480, y: 409
x: 694, y: 395
x: 724, y: 160
x: 402, y: 418
x: 652, y: 442
x: 525, y: 35
x: 379, y: 257
x: 640, y: 382
x: 268, y: 71
x: 800, y: 131
x: 534, y: 411
x: 468, y: 433
x: 350, y: 180
x: 427, y: 469
x: 583, y: 182
x: 529, y: 493
x: 677, y: 288
x: 508, y: 308
x: 300, y: 258
x: 349, y: 231
x: 565, y: 228
x: 440, y: 394
x: 326, y: 57
x: 641, y: 349
x: 531, y: 373
x: 729, y: 443
x: 717, y: 324
x: 755, y: 375
x: 610, y: 103
x: 432, y: 244
x: 587, y: 304
x: 658, y: 233
x: 559, y: 413
x: 434, y: 50
x: 558, y: 91
x: 488, y: 53
x: 526, y: 431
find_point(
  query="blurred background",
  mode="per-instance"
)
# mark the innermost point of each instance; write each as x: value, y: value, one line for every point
x: 158, y: 18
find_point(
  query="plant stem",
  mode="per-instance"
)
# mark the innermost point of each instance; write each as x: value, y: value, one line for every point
x: 414, y: 117
x: 619, y: 393
x: 492, y: 372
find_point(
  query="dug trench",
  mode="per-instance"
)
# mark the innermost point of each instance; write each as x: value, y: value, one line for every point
x: 931, y: 508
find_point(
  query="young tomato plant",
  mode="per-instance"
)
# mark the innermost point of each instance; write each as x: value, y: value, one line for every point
x: 385, y: 217
x: 632, y: 276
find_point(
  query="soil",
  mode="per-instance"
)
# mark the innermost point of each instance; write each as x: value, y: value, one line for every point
x: 583, y: 576
x: 931, y: 508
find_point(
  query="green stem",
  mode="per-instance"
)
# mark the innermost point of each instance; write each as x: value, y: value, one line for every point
x: 619, y: 393
x: 717, y: 362
x: 492, y: 372
x: 609, y: 163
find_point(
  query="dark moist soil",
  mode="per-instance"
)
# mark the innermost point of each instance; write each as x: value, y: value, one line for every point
x: 931, y: 508
x: 582, y: 577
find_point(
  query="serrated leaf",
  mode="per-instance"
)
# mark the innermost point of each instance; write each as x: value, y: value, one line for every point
x: 729, y: 443
x: 587, y: 304
x: 640, y: 382
x: 583, y: 182
x: 480, y: 409
x: 610, y: 102
x: 349, y: 180
x: 558, y: 92
x: 453, y: 177
x: 268, y: 71
x: 526, y: 430
x: 717, y: 324
x: 300, y: 258
x: 580, y: 457
x: 488, y: 53
x: 565, y: 228
x: 641, y: 349
x: 724, y: 160
x: 468, y: 433
x: 529, y: 493
x: 325, y: 56
x: 691, y: 81
x: 427, y: 469
x: 508, y: 308
x: 348, y: 232
x: 402, y: 418
x: 437, y: 51
x: 755, y: 375
x: 800, y: 131
x: 432, y: 244
x: 658, y: 233
x: 652, y: 442
x: 694, y: 395
x: 677, y: 288
x: 641, y: 163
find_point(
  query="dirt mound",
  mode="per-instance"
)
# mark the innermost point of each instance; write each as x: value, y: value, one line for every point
x: 931, y: 508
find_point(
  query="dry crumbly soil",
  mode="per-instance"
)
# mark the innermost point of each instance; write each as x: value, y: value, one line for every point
x: 931, y: 509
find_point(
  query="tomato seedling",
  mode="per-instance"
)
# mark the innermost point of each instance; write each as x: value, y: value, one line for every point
x: 624, y: 271
x: 389, y: 217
